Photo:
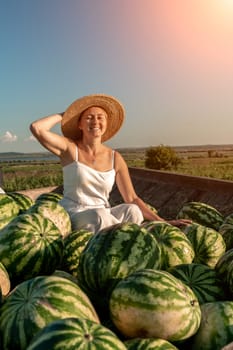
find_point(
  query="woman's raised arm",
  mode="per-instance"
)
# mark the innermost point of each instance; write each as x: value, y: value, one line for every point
x: 41, y: 129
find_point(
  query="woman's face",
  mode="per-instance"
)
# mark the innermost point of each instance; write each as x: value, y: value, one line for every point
x: 93, y: 122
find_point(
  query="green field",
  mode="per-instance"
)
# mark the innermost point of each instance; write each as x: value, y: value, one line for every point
x: 200, y: 161
x: 29, y: 175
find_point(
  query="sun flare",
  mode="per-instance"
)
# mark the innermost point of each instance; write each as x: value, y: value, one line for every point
x: 223, y: 5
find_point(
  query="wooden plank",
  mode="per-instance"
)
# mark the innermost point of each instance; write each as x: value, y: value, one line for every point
x: 168, y: 192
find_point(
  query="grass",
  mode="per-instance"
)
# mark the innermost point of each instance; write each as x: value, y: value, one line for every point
x: 213, y: 168
x: 199, y: 163
x: 29, y: 175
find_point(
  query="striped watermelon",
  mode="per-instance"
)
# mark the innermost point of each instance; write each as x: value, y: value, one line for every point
x: 24, y: 202
x: 208, y: 244
x: 175, y: 246
x: 76, y: 333
x: 5, y: 283
x: 215, y: 329
x: 30, y: 245
x: 224, y: 270
x: 8, y: 209
x: 226, y: 230
x: 64, y: 274
x: 111, y: 255
x: 154, y: 304
x: 74, y: 244
x: 35, y: 303
x: 201, y: 279
x: 51, y: 196
x: 201, y: 213
x: 55, y: 212
x: 149, y: 344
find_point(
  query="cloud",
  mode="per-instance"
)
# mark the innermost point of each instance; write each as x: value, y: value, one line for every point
x: 8, y: 137
x: 30, y: 138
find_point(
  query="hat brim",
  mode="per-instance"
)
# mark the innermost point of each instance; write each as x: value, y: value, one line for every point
x: 113, y: 108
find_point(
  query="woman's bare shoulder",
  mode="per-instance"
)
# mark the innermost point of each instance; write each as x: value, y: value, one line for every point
x: 118, y: 155
x: 120, y: 163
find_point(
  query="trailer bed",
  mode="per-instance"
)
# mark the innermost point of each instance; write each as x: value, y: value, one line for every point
x: 168, y: 191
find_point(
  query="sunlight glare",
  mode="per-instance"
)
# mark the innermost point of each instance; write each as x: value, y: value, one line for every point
x: 224, y: 5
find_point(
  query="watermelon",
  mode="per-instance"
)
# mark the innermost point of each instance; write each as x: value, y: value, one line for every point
x: 24, y: 202
x: 201, y: 279
x: 55, y: 212
x: 201, y: 213
x: 75, y: 333
x: 64, y: 274
x: 226, y: 230
x: 215, y: 329
x: 30, y: 245
x: 175, y: 246
x: 112, y: 254
x: 149, y: 344
x: 222, y: 265
x: 74, y: 244
x: 208, y: 244
x: 229, y: 280
x: 9, y: 209
x: 5, y: 283
x: 35, y: 303
x: 153, y: 303
x: 51, y: 196
x: 224, y: 270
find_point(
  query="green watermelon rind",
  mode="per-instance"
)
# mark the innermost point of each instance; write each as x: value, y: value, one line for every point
x: 9, y: 209
x: 215, y: 329
x: 74, y: 244
x: 30, y: 245
x: 55, y: 212
x: 51, y: 196
x: 175, y: 246
x: 154, y: 304
x: 24, y: 201
x: 77, y: 333
x: 208, y: 244
x: 127, y: 247
x: 5, y: 283
x: 202, y: 279
x: 35, y: 303
x: 149, y: 344
x: 201, y: 213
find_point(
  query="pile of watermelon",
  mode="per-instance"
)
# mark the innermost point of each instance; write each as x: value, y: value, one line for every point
x: 129, y: 286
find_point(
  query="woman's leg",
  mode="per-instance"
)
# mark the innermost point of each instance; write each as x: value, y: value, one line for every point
x: 127, y: 213
x: 93, y: 220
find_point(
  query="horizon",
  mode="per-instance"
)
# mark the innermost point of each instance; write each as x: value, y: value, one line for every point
x: 221, y: 146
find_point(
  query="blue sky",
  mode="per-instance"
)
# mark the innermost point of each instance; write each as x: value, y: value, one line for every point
x: 170, y: 62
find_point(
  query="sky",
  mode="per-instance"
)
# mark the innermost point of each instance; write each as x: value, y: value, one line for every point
x: 170, y: 62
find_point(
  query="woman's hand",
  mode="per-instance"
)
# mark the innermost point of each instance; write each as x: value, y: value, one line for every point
x: 180, y: 222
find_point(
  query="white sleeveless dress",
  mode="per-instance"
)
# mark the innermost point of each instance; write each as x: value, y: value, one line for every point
x: 86, y: 198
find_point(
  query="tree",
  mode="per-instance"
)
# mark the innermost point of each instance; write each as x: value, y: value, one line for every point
x: 161, y: 158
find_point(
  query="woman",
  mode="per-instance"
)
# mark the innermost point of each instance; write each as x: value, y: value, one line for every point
x: 90, y: 168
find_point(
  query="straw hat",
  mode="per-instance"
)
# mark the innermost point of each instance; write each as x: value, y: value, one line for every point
x: 112, y: 107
